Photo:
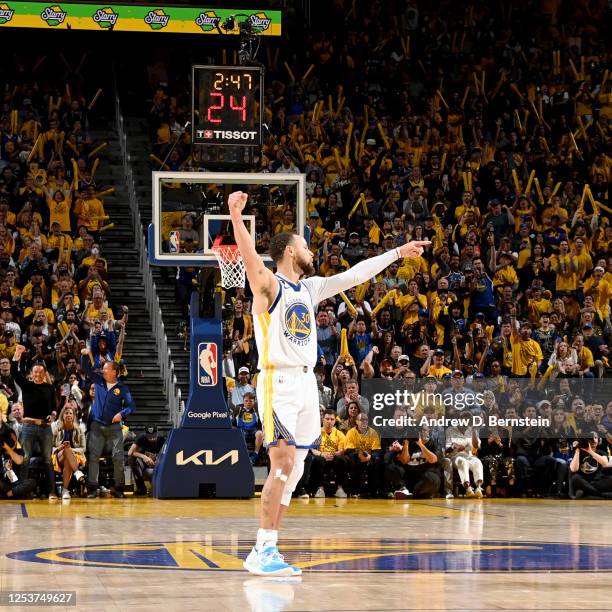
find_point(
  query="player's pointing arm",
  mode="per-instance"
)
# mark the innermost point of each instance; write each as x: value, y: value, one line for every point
x: 413, y: 249
x: 367, y: 269
x: 263, y: 283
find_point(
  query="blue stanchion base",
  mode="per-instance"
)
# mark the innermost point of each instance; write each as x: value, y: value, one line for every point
x: 204, y: 463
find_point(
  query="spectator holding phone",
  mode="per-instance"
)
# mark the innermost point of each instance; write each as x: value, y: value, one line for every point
x: 69, y: 449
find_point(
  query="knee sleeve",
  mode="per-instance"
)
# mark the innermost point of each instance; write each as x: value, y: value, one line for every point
x: 294, y: 477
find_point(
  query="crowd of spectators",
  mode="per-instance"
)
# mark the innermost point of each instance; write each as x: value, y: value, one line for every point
x: 62, y: 331
x: 488, y: 134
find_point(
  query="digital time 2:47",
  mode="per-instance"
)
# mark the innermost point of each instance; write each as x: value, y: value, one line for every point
x: 237, y: 103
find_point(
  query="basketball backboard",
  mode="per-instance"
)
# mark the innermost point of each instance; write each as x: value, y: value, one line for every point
x: 190, y: 211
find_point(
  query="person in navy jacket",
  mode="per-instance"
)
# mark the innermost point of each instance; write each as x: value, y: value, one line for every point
x: 112, y: 402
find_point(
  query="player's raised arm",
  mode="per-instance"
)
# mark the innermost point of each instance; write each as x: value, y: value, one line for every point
x: 364, y: 270
x: 261, y: 280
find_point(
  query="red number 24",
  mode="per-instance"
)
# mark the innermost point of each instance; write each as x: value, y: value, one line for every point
x: 241, y: 108
x: 214, y: 107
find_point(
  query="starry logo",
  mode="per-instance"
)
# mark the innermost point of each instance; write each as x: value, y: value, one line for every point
x: 54, y: 15
x: 105, y: 17
x: 6, y: 13
x: 208, y: 20
x: 260, y: 22
x: 157, y: 19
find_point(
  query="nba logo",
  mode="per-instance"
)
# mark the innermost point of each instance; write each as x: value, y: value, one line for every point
x: 207, y: 364
x: 175, y: 242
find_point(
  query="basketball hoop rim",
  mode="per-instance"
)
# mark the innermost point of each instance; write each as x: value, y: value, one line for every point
x: 230, y: 263
x: 226, y: 253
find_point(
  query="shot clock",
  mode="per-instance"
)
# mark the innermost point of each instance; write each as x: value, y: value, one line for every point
x: 227, y: 105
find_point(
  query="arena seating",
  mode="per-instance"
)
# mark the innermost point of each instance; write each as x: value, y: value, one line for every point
x: 492, y: 141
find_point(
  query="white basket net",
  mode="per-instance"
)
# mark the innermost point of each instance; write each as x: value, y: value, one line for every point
x: 231, y: 265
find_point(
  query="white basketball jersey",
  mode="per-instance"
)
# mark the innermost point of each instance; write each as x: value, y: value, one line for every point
x: 286, y: 335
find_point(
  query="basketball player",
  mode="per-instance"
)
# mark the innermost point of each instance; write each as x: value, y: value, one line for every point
x: 287, y: 395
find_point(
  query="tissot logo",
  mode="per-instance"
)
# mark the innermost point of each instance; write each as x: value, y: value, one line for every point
x: 205, y: 457
x: 226, y: 135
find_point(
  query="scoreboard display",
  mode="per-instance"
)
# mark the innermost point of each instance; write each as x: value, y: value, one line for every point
x: 227, y: 105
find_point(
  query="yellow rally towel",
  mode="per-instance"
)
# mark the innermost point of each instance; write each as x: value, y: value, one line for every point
x: 63, y: 328
x: 345, y: 356
x: 374, y: 234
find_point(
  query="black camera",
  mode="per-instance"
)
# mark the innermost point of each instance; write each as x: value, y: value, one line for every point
x: 584, y: 442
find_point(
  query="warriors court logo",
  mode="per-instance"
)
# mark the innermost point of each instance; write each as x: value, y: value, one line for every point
x: 53, y: 15
x: 6, y: 13
x: 105, y: 17
x: 297, y: 323
x: 157, y: 19
x: 341, y: 556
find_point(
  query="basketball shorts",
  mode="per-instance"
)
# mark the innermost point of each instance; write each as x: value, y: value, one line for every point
x: 288, y: 404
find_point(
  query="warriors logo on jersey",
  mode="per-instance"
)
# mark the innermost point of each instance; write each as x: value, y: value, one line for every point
x: 297, y: 323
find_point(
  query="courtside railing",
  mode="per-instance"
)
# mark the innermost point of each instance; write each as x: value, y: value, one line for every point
x: 164, y: 355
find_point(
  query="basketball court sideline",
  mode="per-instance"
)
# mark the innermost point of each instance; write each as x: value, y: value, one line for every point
x: 356, y: 554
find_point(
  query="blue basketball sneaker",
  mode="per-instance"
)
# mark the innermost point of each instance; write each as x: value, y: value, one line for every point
x: 269, y: 562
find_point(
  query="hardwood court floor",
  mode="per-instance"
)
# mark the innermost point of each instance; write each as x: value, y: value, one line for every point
x: 146, y: 554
